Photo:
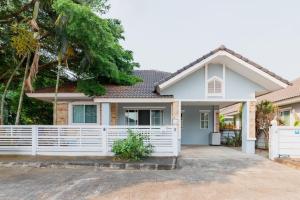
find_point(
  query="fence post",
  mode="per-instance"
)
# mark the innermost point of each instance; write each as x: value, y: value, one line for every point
x: 273, y: 140
x: 104, y: 140
x: 34, y: 140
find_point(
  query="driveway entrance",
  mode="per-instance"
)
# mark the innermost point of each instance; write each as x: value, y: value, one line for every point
x: 217, y: 156
x: 211, y: 152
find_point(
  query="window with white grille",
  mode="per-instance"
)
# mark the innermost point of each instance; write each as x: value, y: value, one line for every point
x: 215, y: 87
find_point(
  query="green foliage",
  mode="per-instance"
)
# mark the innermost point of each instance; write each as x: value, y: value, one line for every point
x: 222, y: 121
x: 265, y: 113
x: 132, y: 148
x: 103, y: 58
x: 297, y: 123
x: 23, y: 40
x: 90, y: 87
x: 74, y: 30
x: 34, y: 111
x: 235, y: 141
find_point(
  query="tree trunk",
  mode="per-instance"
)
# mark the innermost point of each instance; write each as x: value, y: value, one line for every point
x: 6, y: 90
x: 55, y: 97
x: 34, y: 28
x: 22, y: 91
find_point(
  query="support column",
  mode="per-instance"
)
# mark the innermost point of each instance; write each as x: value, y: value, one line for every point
x: 105, y: 114
x: 248, y: 127
x: 113, y: 114
x: 176, y: 121
x: 61, y: 113
x: 216, y: 120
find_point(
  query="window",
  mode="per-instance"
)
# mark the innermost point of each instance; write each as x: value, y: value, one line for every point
x: 285, y: 116
x: 144, y: 117
x: 131, y: 117
x: 84, y: 114
x: 204, y: 120
x: 156, y: 117
x: 214, y: 87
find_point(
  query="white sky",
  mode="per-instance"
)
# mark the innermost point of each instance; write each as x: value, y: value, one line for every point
x: 169, y: 34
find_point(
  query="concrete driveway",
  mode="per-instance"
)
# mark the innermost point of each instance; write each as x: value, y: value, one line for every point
x: 206, y: 173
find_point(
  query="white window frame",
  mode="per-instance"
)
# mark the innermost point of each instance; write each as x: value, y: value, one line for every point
x: 144, y: 108
x: 83, y: 104
x: 208, y: 121
x: 214, y: 78
x: 290, y: 111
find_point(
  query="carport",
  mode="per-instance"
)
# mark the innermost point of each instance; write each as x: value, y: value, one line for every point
x: 200, y: 118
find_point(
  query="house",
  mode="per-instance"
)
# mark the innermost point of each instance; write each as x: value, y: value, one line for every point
x: 232, y: 116
x: 188, y: 99
x: 288, y: 102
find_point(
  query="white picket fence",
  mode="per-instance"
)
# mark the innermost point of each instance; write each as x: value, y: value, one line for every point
x: 82, y: 140
x: 284, y: 141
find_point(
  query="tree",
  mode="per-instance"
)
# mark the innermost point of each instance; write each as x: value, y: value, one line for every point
x: 92, y: 52
x: 265, y: 112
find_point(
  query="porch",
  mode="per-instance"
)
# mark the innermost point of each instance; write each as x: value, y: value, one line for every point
x: 89, y: 128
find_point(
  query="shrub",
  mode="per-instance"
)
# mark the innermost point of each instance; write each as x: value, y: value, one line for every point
x: 235, y: 141
x: 132, y: 148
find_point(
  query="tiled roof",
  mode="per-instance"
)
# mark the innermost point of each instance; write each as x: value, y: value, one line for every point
x: 231, y: 110
x: 145, y: 89
x: 223, y: 48
x: 289, y: 92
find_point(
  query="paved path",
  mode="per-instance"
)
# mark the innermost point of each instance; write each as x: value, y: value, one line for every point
x: 206, y: 173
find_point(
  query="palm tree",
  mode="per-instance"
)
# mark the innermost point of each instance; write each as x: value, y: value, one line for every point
x: 34, y: 66
x: 265, y: 113
x: 63, y: 54
x: 3, y: 96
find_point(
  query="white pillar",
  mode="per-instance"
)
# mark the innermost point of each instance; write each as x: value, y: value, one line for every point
x: 105, y: 114
x: 248, y: 127
x: 34, y: 140
x: 176, y: 121
x: 273, y: 140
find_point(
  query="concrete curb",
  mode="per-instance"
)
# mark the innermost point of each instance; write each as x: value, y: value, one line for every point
x: 92, y: 164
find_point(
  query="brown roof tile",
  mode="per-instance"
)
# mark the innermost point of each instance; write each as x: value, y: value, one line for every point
x: 145, y: 89
x: 289, y: 92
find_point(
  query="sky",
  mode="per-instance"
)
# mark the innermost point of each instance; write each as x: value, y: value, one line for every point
x: 169, y: 34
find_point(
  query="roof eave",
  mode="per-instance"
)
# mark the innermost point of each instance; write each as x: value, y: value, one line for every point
x: 204, y: 59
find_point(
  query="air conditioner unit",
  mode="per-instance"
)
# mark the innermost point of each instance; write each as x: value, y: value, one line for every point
x: 215, y: 138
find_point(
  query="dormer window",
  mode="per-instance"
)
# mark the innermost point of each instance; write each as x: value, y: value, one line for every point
x: 215, y: 86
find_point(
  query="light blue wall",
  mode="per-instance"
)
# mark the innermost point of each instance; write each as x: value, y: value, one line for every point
x: 190, y: 131
x: 193, y: 86
x: 238, y: 86
x: 166, y: 111
x: 215, y: 70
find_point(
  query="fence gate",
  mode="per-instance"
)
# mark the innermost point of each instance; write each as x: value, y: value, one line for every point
x: 284, y: 141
